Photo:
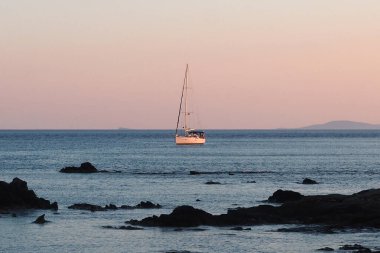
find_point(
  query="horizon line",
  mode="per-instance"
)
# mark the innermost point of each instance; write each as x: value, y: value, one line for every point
x: 167, y: 129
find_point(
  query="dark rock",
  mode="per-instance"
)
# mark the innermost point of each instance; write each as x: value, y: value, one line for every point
x: 357, y: 247
x: 309, y: 181
x: 212, y: 182
x: 251, y: 182
x: 230, y: 173
x: 40, y: 220
x: 14, y: 215
x: 178, y: 251
x: 124, y: 227
x: 196, y: 229
x: 182, y: 216
x: 93, y: 208
x: 84, y: 168
x: 142, y: 205
x: 111, y: 207
x: 325, y: 249
x: 130, y: 228
x: 281, y: 196
x: 16, y: 195
x: 359, y: 210
x: 88, y: 207
x: 197, y: 200
x: 147, y: 205
x: 128, y: 207
x: 193, y: 172
x: 54, y: 206
x: 308, y: 229
x: 239, y: 228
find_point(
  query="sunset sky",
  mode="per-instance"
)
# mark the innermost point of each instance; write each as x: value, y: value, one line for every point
x: 92, y: 64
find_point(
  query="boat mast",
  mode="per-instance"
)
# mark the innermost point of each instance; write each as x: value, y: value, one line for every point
x: 180, y: 104
x: 187, y: 69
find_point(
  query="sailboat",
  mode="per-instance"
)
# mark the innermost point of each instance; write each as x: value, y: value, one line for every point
x: 187, y: 136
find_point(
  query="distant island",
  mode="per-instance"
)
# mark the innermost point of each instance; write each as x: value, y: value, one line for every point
x: 343, y: 125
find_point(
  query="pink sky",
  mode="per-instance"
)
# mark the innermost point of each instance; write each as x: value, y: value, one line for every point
x: 254, y: 64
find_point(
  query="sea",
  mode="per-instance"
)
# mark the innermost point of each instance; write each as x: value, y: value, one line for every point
x: 146, y: 165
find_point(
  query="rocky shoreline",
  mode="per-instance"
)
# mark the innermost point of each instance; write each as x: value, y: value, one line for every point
x: 334, y: 211
x: 311, y: 214
x: 359, y: 210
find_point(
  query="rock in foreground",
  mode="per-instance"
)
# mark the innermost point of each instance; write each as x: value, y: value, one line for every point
x: 182, y: 216
x: 359, y: 210
x: 83, y: 168
x: 16, y: 195
x: 281, y: 196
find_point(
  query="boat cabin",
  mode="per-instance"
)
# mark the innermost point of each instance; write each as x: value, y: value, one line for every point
x: 194, y: 133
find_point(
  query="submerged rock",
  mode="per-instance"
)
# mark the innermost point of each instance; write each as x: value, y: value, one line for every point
x: 147, y: 205
x: 239, y: 228
x: 309, y: 229
x: 124, y: 227
x: 359, y: 210
x: 281, y: 196
x: 16, y: 195
x: 88, y: 207
x: 142, y: 205
x: 325, y: 249
x: 309, y: 181
x: 83, y: 168
x: 358, y: 247
x: 212, y: 182
x: 40, y: 220
x: 94, y: 208
x: 111, y: 207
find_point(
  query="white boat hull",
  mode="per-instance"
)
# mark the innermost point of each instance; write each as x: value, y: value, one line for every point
x: 184, y: 140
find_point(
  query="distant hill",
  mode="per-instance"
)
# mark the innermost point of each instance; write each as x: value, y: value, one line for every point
x: 342, y: 125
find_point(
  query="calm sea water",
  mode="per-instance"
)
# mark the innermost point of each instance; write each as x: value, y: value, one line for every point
x: 153, y: 168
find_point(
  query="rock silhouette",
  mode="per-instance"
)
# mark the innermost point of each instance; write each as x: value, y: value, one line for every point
x: 359, y: 210
x: 309, y: 181
x: 40, y: 220
x: 95, y: 208
x: 281, y: 196
x: 212, y: 182
x: 325, y: 249
x: 87, y: 207
x: 124, y: 227
x: 83, y: 168
x: 16, y: 195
